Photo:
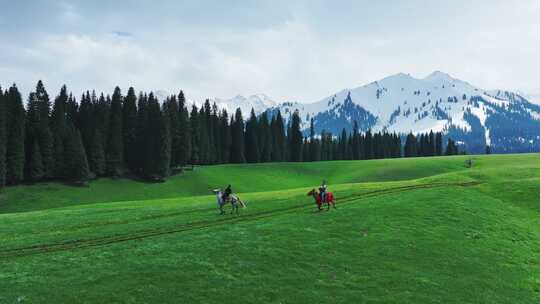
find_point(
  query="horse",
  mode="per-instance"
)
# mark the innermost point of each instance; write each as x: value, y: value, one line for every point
x: 234, y: 200
x: 317, y: 196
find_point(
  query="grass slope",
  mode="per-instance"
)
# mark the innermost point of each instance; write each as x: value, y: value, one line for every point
x: 244, y: 178
x: 434, y: 233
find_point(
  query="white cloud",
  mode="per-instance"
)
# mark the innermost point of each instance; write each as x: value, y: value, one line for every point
x: 304, y: 58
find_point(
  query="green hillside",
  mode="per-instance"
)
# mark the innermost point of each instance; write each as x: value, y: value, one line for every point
x: 426, y: 230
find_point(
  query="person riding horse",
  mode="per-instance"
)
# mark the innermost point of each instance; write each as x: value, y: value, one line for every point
x: 227, y: 193
x: 322, y: 191
x: 226, y: 197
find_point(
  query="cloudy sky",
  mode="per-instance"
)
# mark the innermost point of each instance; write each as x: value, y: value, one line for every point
x: 289, y: 50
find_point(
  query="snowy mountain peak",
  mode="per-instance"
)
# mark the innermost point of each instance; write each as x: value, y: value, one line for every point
x: 439, y: 102
x: 438, y: 76
x: 258, y: 102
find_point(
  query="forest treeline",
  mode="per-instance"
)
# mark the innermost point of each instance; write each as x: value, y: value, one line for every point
x: 136, y: 135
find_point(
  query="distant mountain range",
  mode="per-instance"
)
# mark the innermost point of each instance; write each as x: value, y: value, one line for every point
x: 475, y: 117
x: 400, y: 103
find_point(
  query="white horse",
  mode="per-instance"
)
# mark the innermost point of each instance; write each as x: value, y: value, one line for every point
x: 234, y: 200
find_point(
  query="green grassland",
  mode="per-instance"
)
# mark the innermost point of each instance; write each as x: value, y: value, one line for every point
x: 425, y: 230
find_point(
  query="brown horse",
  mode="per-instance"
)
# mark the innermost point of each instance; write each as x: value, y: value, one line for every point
x: 318, y: 200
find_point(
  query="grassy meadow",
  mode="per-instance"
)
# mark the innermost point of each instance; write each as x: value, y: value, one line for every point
x: 423, y: 230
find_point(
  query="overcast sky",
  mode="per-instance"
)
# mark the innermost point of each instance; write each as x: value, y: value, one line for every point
x: 289, y: 50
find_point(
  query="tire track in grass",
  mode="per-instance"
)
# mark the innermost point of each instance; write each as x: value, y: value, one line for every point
x: 118, y: 238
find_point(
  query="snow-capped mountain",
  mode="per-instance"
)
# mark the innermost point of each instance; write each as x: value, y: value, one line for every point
x: 258, y: 102
x: 401, y: 103
x: 534, y: 98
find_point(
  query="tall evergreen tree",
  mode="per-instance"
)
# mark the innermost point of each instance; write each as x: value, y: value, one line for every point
x: 76, y: 166
x: 295, y: 138
x: 44, y: 134
x: 252, y: 144
x: 184, y: 132
x: 173, y: 112
x: 313, y: 146
x: 164, y: 145
x: 368, y: 145
x: 279, y: 139
x: 343, y: 145
x: 72, y: 111
x: 58, y: 129
x: 356, y: 142
x: 410, y: 149
x: 451, y: 148
x: 237, y: 138
x: 35, y: 164
x: 195, y: 136
x: 86, y: 121
x: 97, y: 161
x: 225, y: 134
x: 15, y: 155
x: 3, y: 139
x: 265, y: 138
x: 431, y: 143
x: 141, y: 133
x: 438, y: 144
x: 129, y: 127
x: 115, y: 146
x: 32, y: 141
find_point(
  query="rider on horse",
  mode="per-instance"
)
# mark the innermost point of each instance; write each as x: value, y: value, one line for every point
x: 322, y: 191
x: 227, y: 193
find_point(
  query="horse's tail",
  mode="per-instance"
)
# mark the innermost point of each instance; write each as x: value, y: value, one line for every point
x: 241, y: 203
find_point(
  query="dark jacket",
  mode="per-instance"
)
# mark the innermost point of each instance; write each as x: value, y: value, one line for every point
x: 227, y: 192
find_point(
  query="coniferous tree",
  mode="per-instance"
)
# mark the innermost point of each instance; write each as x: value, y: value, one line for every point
x: 44, y: 134
x: 86, y: 121
x: 15, y: 155
x: 31, y: 139
x: 76, y: 164
x: 431, y: 144
x: 237, y: 138
x: 368, y: 146
x: 356, y: 142
x: 129, y: 127
x: 152, y: 139
x: 451, y: 148
x: 172, y: 112
x: 115, y: 146
x: 252, y: 145
x: 411, y: 146
x: 195, y: 136
x: 3, y: 139
x: 58, y: 129
x: 265, y: 138
x: 72, y: 111
x: 184, y: 132
x: 141, y: 133
x: 97, y: 161
x: 438, y: 144
x: 164, y: 145
x: 295, y: 139
x: 305, y: 150
x: 204, y: 138
x: 35, y: 163
x: 314, y: 148
x: 279, y: 139
x: 343, y: 145
x: 225, y: 134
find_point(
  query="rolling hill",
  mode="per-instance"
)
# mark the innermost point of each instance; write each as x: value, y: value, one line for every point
x: 424, y: 230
